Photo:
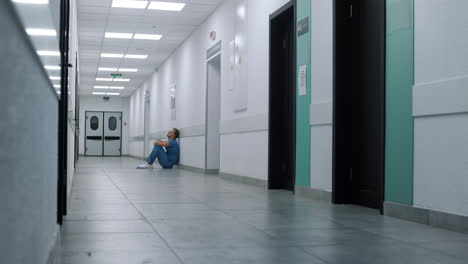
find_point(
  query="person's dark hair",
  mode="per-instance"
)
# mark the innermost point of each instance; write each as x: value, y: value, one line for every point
x: 176, y: 132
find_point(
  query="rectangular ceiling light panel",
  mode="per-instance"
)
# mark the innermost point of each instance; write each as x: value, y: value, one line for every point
x: 107, y: 69
x: 166, y: 6
x: 101, y: 93
x: 111, y: 55
x: 147, y: 36
x: 34, y: 2
x: 118, y: 35
x: 135, y: 56
x: 41, y: 32
x: 52, y: 67
x: 109, y: 87
x: 127, y: 70
x: 48, y: 53
x: 104, y: 79
x: 111, y: 80
x: 130, y: 4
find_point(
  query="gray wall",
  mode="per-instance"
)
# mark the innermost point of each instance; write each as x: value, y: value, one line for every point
x: 28, y: 148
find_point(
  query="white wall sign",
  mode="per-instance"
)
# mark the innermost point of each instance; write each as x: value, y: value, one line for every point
x: 302, y: 80
x: 173, y: 102
x: 241, y: 90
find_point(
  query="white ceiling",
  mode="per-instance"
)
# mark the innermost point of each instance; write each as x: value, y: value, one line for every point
x: 97, y: 17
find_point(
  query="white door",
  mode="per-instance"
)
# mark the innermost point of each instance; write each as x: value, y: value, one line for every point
x: 147, y: 146
x: 112, y: 133
x: 213, y: 114
x: 94, y: 133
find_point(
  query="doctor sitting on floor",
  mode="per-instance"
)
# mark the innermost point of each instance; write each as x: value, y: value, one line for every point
x: 167, y: 158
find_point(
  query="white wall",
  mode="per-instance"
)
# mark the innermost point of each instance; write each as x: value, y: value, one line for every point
x: 73, y: 45
x: 115, y: 104
x: 321, y: 110
x: 441, y: 106
x: 29, y: 148
x: 242, y: 152
x: 136, y: 122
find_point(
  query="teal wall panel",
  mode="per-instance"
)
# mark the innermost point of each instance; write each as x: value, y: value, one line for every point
x: 399, y: 107
x: 303, y: 102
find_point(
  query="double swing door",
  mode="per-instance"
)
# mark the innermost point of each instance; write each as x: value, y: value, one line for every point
x: 103, y: 134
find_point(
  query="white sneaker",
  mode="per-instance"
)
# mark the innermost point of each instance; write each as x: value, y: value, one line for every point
x: 145, y: 166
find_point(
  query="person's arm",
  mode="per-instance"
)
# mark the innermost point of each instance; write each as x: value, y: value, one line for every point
x: 162, y: 143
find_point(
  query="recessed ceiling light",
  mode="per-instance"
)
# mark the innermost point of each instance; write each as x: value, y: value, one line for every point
x: 119, y: 35
x: 166, y: 6
x: 121, y: 80
x: 56, y: 85
x: 101, y: 87
x: 107, y: 69
x: 127, y: 70
x: 147, y: 36
x: 48, y: 53
x: 41, y: 32
x: 54, y: 77
x: 34, y: 2
x: 104, y: 79
x: 101, y: 93
x: 116, y: 87
x: 112, y: 55
x: 52, y: 67
x: 135, y: 56
x: 129, y: 4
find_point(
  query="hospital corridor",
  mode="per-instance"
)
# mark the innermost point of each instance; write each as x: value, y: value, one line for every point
x: 234, y: 131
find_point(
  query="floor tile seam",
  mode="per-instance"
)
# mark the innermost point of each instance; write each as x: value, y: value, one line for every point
x: 184, y: 203
x: 146, y: 220
x: 204, y: 247
x: 243, y: 223
x: 164, y: 203
x: 91, y: 189
x: 405, y: 241
x: 231, y: 217
x: 303, y: 249
x: 444, y: 253
x: 413, y: 245
x: 279, y: 228
x: 106, y: 219
x: 394, y: 241
x: 420, y: 245
x: 98, y: 220
x: 390, y: 239
x: 66, y: 233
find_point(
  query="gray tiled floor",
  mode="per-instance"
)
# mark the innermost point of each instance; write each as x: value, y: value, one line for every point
x: 122, y: 215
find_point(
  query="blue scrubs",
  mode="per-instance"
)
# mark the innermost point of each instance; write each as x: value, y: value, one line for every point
x: 166, y: 159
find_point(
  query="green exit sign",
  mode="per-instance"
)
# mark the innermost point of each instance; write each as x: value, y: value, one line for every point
x: 116, y: 75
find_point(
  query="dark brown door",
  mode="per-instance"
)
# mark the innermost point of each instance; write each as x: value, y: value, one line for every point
x: 282, y: 100
x: 359, y: 109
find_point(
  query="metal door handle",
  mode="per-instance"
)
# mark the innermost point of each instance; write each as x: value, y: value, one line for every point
x: 111, y: 138
x: 94, y: 138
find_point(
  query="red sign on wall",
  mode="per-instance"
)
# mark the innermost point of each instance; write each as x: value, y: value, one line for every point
x: 213, y: 35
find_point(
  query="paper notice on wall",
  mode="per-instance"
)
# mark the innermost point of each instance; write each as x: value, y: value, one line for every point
x: 302, y: 80
x: 173, y: 102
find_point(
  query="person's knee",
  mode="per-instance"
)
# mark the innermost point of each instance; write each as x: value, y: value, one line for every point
x: 157, y: 148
